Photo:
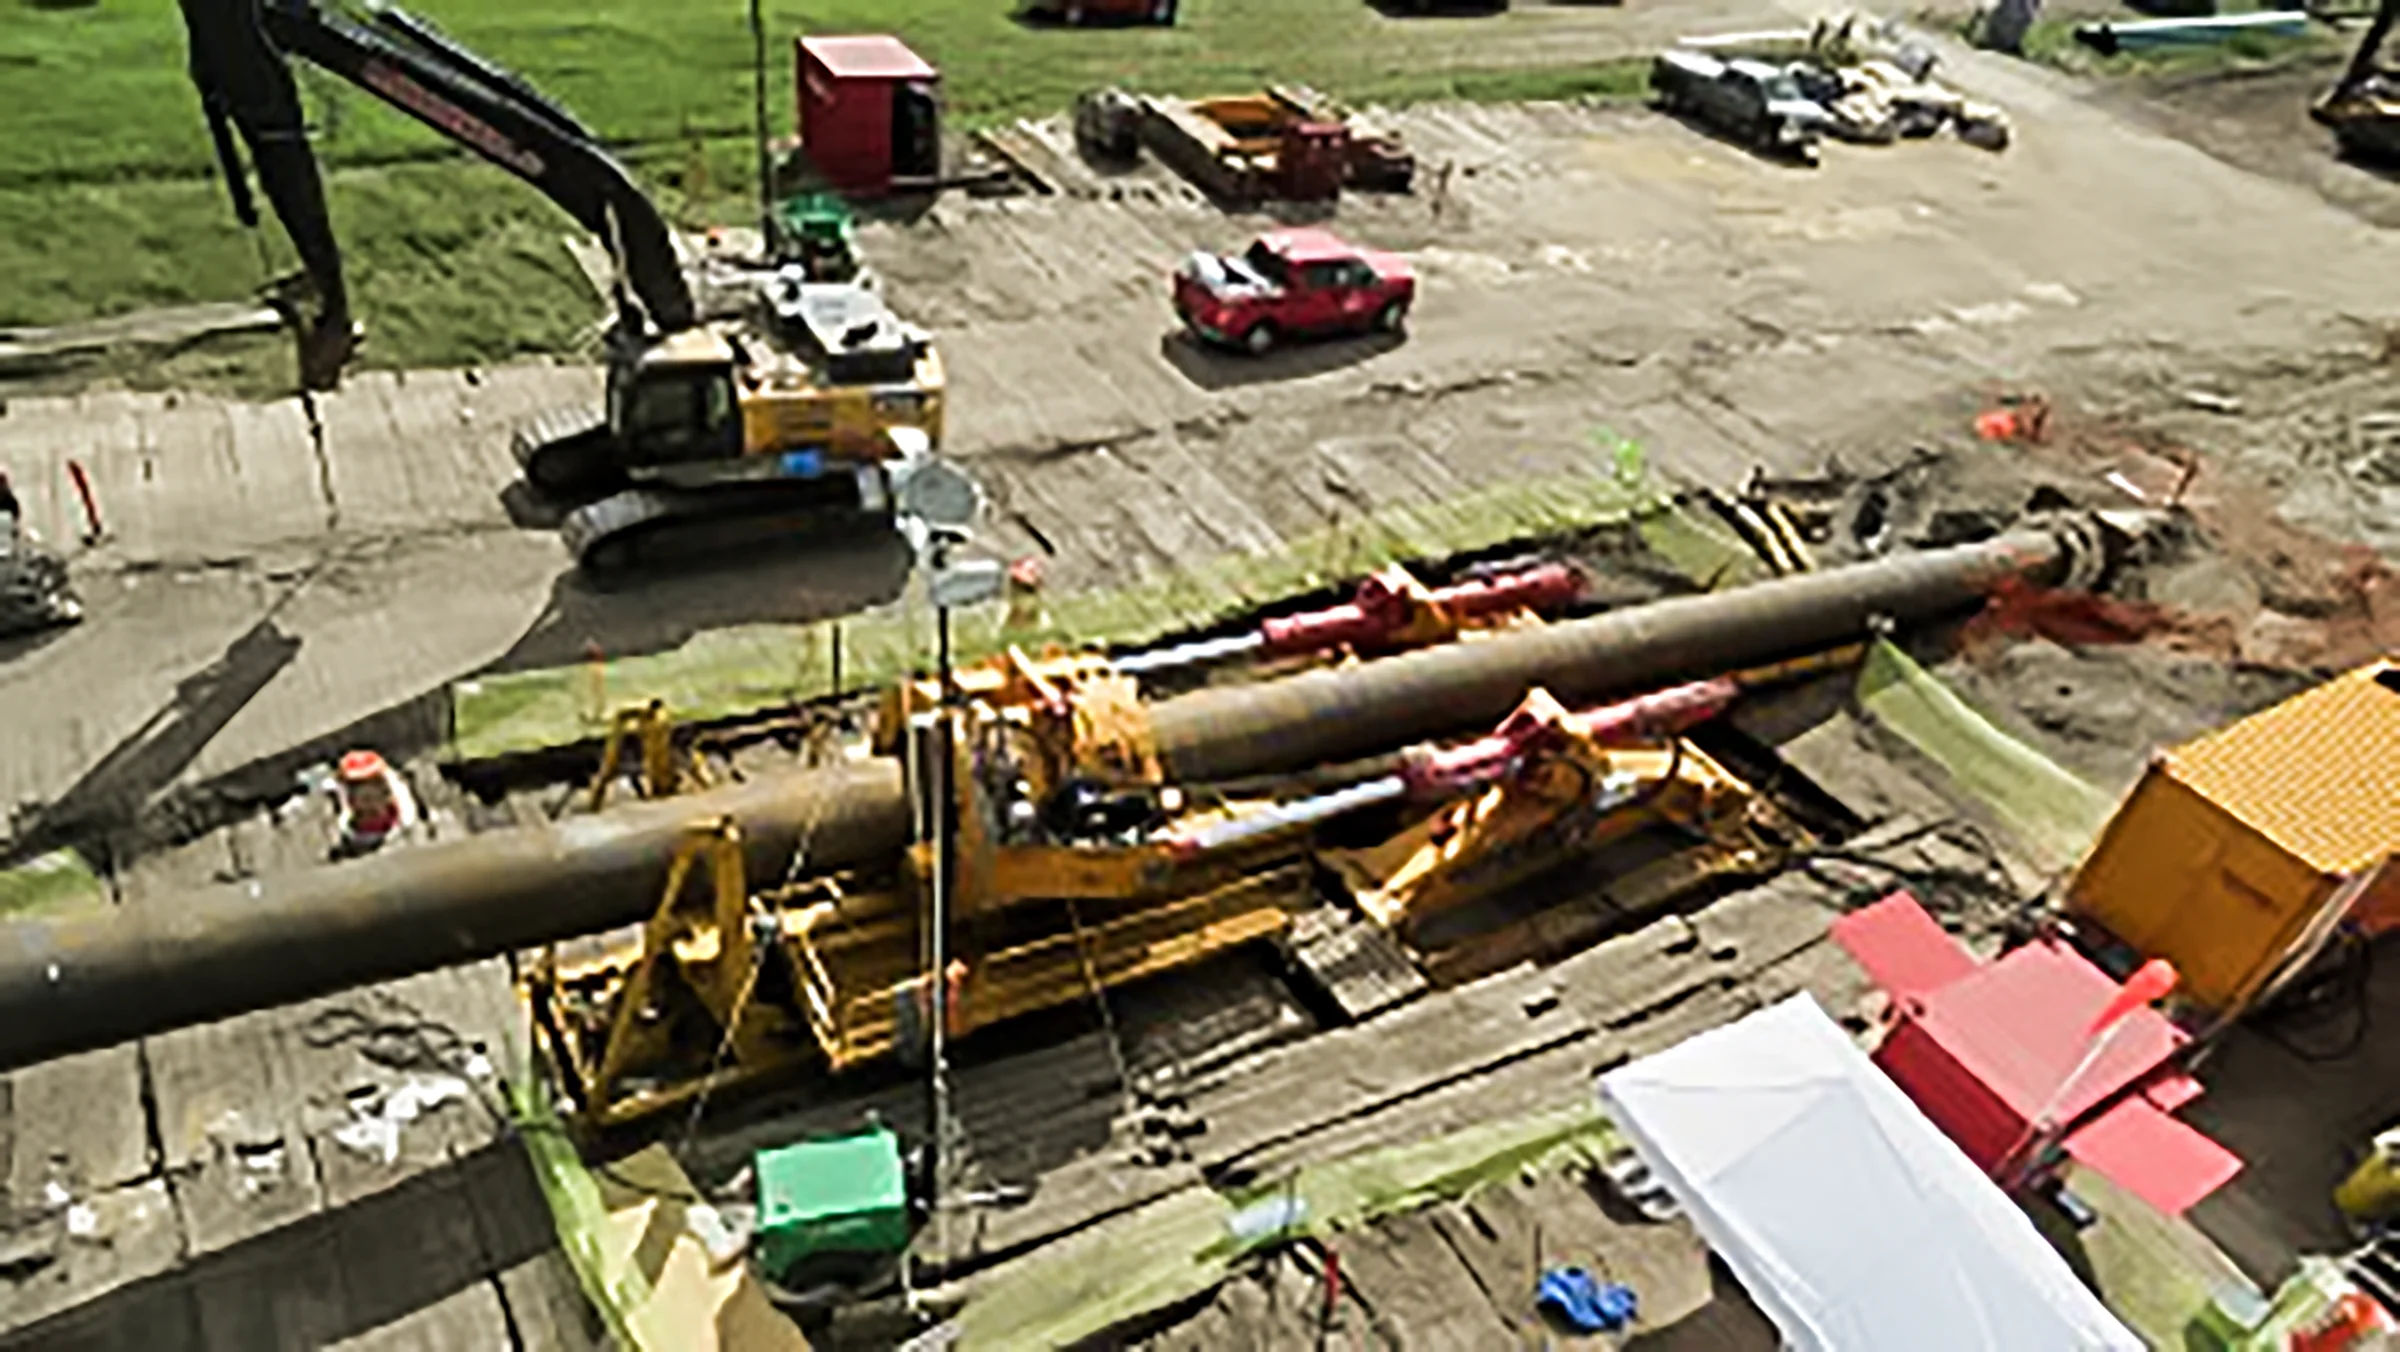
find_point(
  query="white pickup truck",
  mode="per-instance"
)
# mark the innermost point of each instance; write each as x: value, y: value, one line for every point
x: 1756, y: 103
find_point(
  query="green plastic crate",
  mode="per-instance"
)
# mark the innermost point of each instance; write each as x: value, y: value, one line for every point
x: 844, y: 1196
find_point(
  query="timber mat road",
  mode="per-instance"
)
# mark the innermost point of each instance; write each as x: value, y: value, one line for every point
x: 1587, y: 268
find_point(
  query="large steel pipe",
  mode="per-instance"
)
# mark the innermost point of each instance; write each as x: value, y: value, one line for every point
x: 94, y: 981
x: 1339, y: 713
x: 73, y: 985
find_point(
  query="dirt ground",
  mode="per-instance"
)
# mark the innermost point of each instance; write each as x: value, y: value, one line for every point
x: 2259, y: 122
x: 2166, y: 284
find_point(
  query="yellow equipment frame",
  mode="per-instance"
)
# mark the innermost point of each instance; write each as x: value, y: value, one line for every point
x: 666, y: 769
x: 1572, y: 798
x: 699, y: 961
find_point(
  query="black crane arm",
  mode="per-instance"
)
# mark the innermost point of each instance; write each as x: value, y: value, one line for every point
x: 238, y: 50
x: 2363, y: 65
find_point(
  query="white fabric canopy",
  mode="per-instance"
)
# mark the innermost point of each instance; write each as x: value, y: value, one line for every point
x: 1852, y: 1221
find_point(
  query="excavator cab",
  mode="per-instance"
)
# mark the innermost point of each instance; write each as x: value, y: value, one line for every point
x: 674, y: 404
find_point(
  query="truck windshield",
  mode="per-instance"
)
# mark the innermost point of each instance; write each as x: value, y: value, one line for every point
x: 1268, y: 264
x: 1780, y: 88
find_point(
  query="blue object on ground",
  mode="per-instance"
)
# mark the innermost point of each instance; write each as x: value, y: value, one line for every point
x: 1587, y: 1304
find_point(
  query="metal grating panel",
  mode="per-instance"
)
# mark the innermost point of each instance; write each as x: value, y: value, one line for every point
x: 2318, y: 774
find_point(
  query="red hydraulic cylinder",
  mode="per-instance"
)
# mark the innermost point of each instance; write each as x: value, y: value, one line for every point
x: 1383, y: 608
x: 1642, y: 718
x: 1433, y: 772
x: 1649, y: 717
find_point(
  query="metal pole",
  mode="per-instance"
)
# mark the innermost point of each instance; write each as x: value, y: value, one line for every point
x: 758, y: 93
x: 944, y: 879
x: 2013, y: 1167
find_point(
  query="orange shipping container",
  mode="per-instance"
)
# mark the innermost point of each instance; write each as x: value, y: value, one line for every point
x: 2232, y: 845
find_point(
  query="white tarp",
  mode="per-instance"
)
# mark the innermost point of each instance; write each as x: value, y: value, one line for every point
x: 1852, y: 1221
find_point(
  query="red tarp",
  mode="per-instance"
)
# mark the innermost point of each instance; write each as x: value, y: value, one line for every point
x: 1901, y: 947
x: 1985, y: 1048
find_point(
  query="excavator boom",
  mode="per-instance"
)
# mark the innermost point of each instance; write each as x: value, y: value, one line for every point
x: 2363, y: 108
x: 245, y: 86
x: 238, y: 57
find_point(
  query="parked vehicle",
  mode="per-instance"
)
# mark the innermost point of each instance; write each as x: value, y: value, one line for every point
x: 1108, y: 124
x: 1758, y: 104
x: 1287, y: 143
x: 1076, y: 13
x: 1293, y: 283
x: 35, y: 590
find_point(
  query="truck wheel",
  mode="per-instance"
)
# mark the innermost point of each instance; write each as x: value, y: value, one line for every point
x: 1260, y: 340
x: 1074, y: 15
x: 1391, y: 317
x: 1163, y: 13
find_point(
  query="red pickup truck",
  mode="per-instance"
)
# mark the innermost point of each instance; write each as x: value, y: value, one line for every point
x: 1291, y: 283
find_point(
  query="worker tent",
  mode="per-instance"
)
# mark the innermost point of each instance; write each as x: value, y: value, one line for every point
x: 1851, y: 1220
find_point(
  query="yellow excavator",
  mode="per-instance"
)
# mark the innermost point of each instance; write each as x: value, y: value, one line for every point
x: 800, y: 399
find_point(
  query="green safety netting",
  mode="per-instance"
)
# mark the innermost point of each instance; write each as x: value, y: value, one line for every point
x: 2051, y: 812
x: 55, y: 885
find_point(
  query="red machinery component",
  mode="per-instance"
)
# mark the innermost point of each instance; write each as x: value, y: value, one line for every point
x: 1310, y: 166
x: 2007, y: 1054
x: 1538, y: 727
x: 2353, y: 1320
x: 870, y: 113
x: 1391, y: 605
x: 1533, y: 730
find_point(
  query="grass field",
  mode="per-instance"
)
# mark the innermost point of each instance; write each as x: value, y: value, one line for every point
x: 107, y: 200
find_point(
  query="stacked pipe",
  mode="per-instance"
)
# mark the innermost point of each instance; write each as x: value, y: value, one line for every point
x: 80, y: 983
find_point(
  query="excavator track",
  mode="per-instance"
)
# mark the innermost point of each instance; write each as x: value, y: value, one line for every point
x: 566, y: 455
x: 643, y: 528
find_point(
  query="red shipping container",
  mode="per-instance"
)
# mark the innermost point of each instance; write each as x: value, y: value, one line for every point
x: 869, y: 112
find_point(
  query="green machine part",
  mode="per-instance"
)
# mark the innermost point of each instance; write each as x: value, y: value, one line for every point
x: 813, y: 229
x: 844, y: 1196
